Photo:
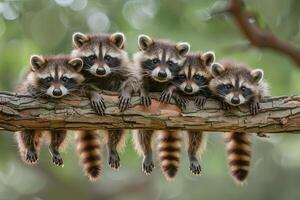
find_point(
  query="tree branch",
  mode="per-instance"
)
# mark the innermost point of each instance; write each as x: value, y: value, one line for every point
x: 258, y: 37
x: 278, y: 114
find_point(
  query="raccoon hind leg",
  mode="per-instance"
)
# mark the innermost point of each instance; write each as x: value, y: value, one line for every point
x: 196, y: 143
x: 143, y: 145
x: 29, y: 142
x: 57, y: 137
x: 115, y: 141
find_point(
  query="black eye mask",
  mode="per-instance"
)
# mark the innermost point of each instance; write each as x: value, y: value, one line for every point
x: 150, y: 64
x: 112, y: 61
x: 224, y: 89
x: 200, y: 80
x: 87, y: 62
x: 68, y: 82
x: 45, y: 83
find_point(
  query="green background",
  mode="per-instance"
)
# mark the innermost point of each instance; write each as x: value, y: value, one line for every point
x: 45, y: 27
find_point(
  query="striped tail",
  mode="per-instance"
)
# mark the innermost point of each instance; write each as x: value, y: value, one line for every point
x: 89, y: 150
x: 169, y: 147
x: 238, y: 148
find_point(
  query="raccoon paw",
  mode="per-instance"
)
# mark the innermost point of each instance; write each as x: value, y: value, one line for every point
x: 147, y: 165
x: 165, y: 96
x: 254, y: 108
x: 114, y: 160
x: 200, y: 101
x: 180, y: 101
x: 57, y: 160
x: 195, y: 167
x: 225, y: 106
x: 31, y: 157
x: 98, y: 104
x: 124, y: 102
x: 145, y: 100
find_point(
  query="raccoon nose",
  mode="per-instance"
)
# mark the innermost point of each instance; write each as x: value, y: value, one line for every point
x: 100, y: 71
x: 57, y: 92
x: 235, y: 100
x: 162, y: 74
x: 188, y: 89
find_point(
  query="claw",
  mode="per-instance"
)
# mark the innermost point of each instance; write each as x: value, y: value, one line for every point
x: 200, y: 101
x: 225, y: 106
x: 195, y: 167
x: 114, y: 160
x: 124, y: 101
x: 165, y: 97
x: 181, y: 101
x: 147, y: 165
x: 254, y: 108
x: 98, y: 104
x: 57, y: 160
x: 31, y: 157
x: 145, y: 100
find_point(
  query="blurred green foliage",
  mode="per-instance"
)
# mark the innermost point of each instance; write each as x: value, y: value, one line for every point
x: 45, y: 27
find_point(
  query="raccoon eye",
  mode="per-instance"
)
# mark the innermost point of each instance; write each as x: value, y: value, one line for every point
x: 171, y: 63
x: 182, y: 76
x: 107, y: 58
x: 64, y: 79
x: 245, y: 89
x: 228, y: 86
x: 155, y: 61
x: 92, y: 57
x: 49, y: 79
x: 197, y: 77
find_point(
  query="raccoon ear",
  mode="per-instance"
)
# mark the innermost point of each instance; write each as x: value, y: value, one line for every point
x: 217, y: 69
x: 76, y: 64
x: 37, y: 62
x: 208, y: 58
x: 257, y: 75
x: 183, y: 48
x: 79, y: 39
x: 144, y: 42
x: 118, y: 39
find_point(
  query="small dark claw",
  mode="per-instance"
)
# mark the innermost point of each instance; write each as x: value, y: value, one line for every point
x: 123, y: 103
x: 98, y: 104
x: 254, y: 108
x: 195, y: 167
x: 147, y: 165
x: 114, y: 160
x: 200, y: 101
x: 181, y: 101
x: 145, y: 101
x: 57, y: 160
x: 165, y: 97
x: 31, y: 157
x: 225, y: 106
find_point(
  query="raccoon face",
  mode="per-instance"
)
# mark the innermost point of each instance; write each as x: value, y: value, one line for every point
x: 159, y: 59
x: 56, y: 76
x: 195, y: 74
x: 102, y: 54
x: 236, y: 86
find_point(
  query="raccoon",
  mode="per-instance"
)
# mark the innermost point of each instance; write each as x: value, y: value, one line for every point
x: 157, y: 62
x: 192, y: 81
x: 105, y: 68
x: 235, y: 84
x: 53, y: 77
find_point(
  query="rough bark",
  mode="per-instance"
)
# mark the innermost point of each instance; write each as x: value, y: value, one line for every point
x: 278, y: 114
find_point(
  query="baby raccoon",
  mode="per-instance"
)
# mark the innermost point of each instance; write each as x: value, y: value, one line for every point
x: 53, y: 77
x: 157, y: 62
x: 192, y: 81
x: 234, y: 84
x: 105, y: 68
